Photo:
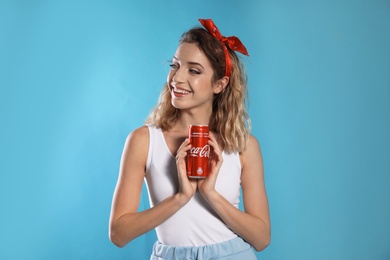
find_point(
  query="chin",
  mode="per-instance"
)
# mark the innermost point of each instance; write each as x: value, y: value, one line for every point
x: 177, y: 106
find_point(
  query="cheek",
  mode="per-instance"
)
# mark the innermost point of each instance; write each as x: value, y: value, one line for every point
x: 203, y: 83
x: 170, y: 76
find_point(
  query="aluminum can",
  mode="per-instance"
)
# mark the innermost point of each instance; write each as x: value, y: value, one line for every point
x: 198, y: 155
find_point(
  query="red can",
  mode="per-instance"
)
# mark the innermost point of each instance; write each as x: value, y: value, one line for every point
x: 198, y: 156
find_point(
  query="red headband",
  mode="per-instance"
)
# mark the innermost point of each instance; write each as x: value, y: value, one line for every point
x: 232, y: 42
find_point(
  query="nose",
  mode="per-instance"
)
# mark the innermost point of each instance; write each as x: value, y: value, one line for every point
x: 177, y: 75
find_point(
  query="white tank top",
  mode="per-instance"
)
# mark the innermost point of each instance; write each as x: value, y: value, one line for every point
x: 196, y: 223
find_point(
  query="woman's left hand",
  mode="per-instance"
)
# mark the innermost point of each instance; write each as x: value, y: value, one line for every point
x: 207, y: 186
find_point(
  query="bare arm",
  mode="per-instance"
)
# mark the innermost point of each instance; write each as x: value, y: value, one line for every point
x: 125, y: 222
x: 253, y: 225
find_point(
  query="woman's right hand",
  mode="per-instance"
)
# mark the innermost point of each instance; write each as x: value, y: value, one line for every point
x: 187, y: 186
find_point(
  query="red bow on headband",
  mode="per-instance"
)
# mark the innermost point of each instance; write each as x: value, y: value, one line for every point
x: 232, y: 42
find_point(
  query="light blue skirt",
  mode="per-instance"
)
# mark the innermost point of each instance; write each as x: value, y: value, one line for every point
x: 229, y: 250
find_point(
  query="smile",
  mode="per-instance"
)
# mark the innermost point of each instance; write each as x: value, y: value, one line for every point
x: 180, y: 92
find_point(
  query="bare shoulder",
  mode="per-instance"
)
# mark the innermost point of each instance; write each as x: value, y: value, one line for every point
x: 138, y: 137
x: 253, y: 143
x: 131, y: 173
x: 252, y: 181
x: 136, y: 147
x: 252, y: 152
x: 140, y: 134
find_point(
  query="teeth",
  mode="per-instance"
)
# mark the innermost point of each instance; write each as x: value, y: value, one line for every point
x: 181, y: 91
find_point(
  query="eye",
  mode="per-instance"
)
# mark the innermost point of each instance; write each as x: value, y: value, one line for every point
x: 194, y: 71
x: 174, y: 66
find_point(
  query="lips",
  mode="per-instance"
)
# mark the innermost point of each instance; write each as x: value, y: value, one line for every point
x: 179, y: 92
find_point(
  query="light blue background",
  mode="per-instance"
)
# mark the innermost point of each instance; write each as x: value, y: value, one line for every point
x: 77, y: 76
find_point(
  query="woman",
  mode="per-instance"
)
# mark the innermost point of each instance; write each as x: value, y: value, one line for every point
x: 196, y: 219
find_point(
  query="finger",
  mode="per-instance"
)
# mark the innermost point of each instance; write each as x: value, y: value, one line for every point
x: 215, y: 146
x: 181, y: 155
x: 213, y: 139
x: 185, y: 144
x: 184, y: 148
x: 212, y: 135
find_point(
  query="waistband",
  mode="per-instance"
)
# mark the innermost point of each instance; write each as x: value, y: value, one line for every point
x: 235, y: 248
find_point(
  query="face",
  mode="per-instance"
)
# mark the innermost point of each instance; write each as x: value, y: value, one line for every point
x: 191, y: 79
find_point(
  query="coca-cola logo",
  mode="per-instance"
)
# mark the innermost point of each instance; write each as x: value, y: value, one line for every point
x: 200, y: 151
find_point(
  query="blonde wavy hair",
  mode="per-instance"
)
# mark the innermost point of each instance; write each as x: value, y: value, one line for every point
x: 229, y: 119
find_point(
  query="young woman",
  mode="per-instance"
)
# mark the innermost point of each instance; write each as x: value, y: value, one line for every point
x: 196, y: 218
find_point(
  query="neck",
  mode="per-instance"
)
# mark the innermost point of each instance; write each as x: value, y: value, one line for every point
x: 188, y: 118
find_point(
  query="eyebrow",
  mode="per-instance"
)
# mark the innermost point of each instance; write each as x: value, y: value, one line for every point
x: 190, y: 62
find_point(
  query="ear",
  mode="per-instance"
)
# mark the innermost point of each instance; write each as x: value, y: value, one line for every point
x: 220, y: 84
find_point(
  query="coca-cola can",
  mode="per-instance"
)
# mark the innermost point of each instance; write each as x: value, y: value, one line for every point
x: 198, y: 155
